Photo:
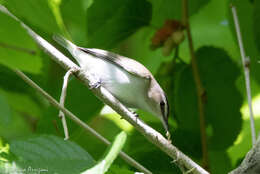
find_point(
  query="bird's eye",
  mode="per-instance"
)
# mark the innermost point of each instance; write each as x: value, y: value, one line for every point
x: 162, y: 107
x: 162, y: 103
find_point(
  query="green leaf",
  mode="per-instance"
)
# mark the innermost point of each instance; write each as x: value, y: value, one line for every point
x: 192, y: 144
x: 74, y: 15
x: 35, y: 13
x: 218, y: 75
x: 166, y: 76
x: 210, y: 26
x: 17, y: 49
x: 243, y: 143
x: 113, y: 152
x: 113, y: 21
x: 55, y: 7
x: 77, y: 99
x: 52, y: 154
x: 16, y: 127
x: 169, y: 9
x: 105, y: 127
x: 5, y: 111
x: 162, y: 10
x: 256, y: 25
x: 219, y: 162
x: 138, y: 147
x: 9, y: 81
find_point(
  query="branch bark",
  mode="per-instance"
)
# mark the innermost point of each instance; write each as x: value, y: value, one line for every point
x: 251, y: 163
x: 149, y: 133
x: 201, y: 93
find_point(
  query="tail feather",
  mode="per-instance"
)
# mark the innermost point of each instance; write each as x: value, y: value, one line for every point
x: 64, y: 42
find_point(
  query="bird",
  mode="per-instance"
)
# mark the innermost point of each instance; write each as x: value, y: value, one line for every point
x: 125, y: 78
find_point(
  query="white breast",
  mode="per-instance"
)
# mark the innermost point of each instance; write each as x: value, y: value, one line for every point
x: 129, y: 89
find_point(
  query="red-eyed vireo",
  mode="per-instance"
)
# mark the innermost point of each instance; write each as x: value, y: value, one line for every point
x: 128, y: 80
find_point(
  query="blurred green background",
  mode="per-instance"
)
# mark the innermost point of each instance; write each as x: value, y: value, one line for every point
x: 28, y: 121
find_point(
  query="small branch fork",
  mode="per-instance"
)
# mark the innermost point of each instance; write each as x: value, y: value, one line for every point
x: 62, y: 101
x: 149, y: 133
x: 246, y: 65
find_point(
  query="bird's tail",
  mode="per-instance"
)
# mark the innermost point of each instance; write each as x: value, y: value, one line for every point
x: 65, y: 43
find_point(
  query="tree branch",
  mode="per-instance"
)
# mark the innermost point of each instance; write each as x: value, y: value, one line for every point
x: 201, y: 93
x: 152, y: 135
x: 246, y: 65
x: 251, y: 163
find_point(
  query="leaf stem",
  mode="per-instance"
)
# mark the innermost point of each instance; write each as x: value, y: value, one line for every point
x: 201, y: 93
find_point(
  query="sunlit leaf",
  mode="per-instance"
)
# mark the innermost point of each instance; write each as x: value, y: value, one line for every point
x: 112, y: 153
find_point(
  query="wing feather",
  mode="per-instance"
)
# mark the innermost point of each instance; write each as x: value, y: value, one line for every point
x: 126, y: 63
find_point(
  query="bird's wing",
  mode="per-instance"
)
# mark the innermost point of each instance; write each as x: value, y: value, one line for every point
x: 125, y: 63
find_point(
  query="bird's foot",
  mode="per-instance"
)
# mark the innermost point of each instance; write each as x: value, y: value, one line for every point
x: 168, y: 135
x: 94, y: 85
x: 135, y: 114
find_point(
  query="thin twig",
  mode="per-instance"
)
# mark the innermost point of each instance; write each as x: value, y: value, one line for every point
x: 62, y: 101
x: 123, y: 155
x: 152, y: 135
x: 16, y: 48
x: 200, y: 89
x: 246, y: 65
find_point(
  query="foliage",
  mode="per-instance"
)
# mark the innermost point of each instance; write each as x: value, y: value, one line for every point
x: 30, y: 126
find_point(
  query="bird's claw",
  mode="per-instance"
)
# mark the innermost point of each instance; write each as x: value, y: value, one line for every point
x: 95, y: 85
x: 135, y: 114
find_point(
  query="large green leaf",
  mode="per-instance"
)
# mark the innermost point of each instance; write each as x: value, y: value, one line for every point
x: 52, y: 154
x: 37, y: 14
x: 168, y: 9
x: 104, y: 164
x: 74, y: 15
x: 219, y: 162
x: 110, y: 22
x: 256, y: 24
x: 222, y: 107
x: 5, y: 111
x: 23, y: 113
x: 9, y: 81
x: 17, y: 49
x: 78, y: 100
